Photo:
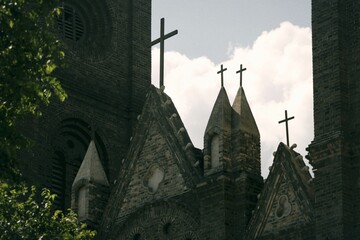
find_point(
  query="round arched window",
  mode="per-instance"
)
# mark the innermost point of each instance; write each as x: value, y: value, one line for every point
x: 86, y: 29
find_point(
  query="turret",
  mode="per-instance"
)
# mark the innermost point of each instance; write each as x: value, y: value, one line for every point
x: 90, y: 189
x: 217, y: 139
x: 245, y: 136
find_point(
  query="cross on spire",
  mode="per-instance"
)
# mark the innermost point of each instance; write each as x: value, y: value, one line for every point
x: 222, y: 70
x: 161, y: 40
x: 241, y: 71
x: 286, y: 120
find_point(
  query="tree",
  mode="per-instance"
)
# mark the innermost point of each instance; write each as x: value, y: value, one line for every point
x: 29, y: 53
x: 21, y: 217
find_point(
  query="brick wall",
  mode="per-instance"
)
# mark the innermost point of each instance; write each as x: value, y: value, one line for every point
x: 336, y: 114
x: 107, y: 75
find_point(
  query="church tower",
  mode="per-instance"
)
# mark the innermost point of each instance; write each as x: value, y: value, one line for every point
x: 334, y: 153
x: 231, y: 166
x: 107, y: 75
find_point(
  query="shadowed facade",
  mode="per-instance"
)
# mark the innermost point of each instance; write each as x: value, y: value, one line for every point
x: 119, y: 154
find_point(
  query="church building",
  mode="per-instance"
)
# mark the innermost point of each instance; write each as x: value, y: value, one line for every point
x: 117, y: 152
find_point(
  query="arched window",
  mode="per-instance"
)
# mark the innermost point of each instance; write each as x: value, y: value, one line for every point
x: 215, y: 156
x: 71, y: 143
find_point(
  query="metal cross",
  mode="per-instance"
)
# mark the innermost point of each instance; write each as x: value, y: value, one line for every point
x: 241, y: 71
x: 222, y: 70
x: 286, y: 120
x: 161, y: 40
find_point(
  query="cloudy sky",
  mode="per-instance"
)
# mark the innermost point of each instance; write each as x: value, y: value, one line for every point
x: 271, y: 38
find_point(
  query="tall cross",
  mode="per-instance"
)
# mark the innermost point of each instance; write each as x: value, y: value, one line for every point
x: 161, y: 40
x: 241, y: 71
x: 286, y: 120
x: 222, y: 70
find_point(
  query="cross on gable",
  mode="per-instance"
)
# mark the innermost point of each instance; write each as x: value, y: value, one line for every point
x: 241, y: 71
x: 161, y: 40
x: 222, y: 70
x: 286, y: 120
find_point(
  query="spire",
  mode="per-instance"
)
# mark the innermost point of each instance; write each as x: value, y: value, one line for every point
x: 91, y: 168
x: 245, y: 136
x: 90, y: 189
x: 242, y: 117
x: 217, y: 138
x: 221, y: 113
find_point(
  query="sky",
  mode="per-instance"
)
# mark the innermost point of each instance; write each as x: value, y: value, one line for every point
x: 271, y: 38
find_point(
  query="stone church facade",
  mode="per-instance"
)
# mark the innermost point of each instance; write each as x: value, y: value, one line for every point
x: 118, y: 153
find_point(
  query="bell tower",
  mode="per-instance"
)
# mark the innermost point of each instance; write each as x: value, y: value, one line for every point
x: 106, y: 77
x: 335, y: 151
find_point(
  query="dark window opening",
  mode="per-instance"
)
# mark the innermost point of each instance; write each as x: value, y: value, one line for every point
x: 70, y: 24
x: 58, y: 183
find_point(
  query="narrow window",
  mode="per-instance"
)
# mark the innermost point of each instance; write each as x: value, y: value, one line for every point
x: 215, y: 156
x: 58, y: 176
x: 82, y: 202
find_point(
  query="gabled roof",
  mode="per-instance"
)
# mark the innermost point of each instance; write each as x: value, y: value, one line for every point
x: 91, y: 168
x: 242, y: 117
x: 287, y: 198
x: 159, y: 122
x: 220, y: 117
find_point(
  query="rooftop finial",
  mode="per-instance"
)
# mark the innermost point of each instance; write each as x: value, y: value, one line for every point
x: 161, y: 40
x: 241, y: 71
x: 286, y: 120
x: 222, y: 70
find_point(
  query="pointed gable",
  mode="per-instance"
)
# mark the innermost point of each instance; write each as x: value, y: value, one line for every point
x: 91, y: 169
x: 161, y: 163
x: 242, y: 117
x: 286, y: 203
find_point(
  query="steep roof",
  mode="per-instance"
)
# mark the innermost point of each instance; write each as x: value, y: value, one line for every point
x: 91, y: 168
x: 242, y: 117
x: 161, y: 162
x: 220, y: 117
x: 287, y: 199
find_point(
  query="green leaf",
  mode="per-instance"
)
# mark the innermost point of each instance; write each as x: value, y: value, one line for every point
x: 11, y: 23
x: 50, y: 67
x: 58, y: 11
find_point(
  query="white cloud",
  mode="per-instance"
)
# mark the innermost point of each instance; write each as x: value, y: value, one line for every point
x: 278, y: 78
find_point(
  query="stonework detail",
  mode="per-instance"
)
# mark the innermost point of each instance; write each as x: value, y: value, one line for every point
x: 153, y: 178
x: 286, y: 203
x: 152, y: 175
x: 283, y: 207
x: 161, y: 221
